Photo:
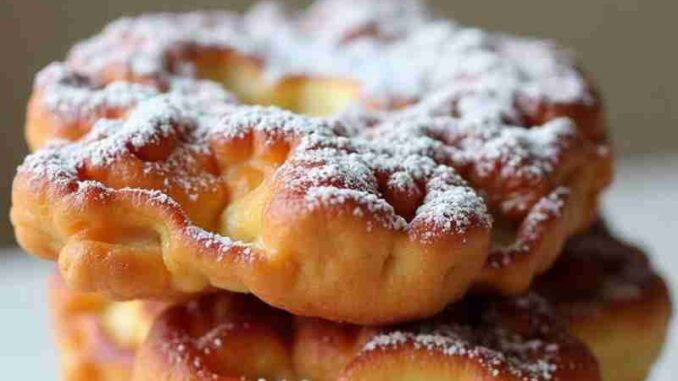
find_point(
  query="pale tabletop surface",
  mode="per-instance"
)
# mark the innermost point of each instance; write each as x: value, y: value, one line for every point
x: 642, y: 205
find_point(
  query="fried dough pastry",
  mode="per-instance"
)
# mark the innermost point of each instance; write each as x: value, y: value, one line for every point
x: 173, y: 198
x: 229, y: 337
x: 97, y: 339
x: 605, y: 290
x: 612, y: 300
x: 434, y: 182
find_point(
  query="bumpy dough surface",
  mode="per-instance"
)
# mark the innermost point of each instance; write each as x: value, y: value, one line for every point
x: 613, y: 300
x: 605, y: 291
x: 469, y: 166
x: 97, y: 339
x: 225, y: 337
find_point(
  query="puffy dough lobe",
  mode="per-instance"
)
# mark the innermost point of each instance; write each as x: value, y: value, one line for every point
x: 224, y: 337
x: 613, y: 300
x: 179, y: 196
x: 604, y: 290
x: 97, y: 339
x: 469, y: 170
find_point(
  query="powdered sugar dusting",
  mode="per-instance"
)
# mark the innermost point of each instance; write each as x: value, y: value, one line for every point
x: 362, y: 170
x: 435, y: 168
x: 74, y: 98
x: 112, y: 142
x: 78, y: 99
x: 610, y: 272
x: 328, y: 168
x: 373, y: 204
x: 515, y: 338
x: 511, y: 355
x: 533, y: 354
x: 221, y: 246
x: 369, y: 41
x: 548, y: 208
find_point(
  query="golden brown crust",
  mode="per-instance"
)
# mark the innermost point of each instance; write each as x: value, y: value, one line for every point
x: 91, y: 345
x: 137, y: 199
x: 605, y: 290
x: 161, y: 185
x: 513, y: 339
x: 613, y: 300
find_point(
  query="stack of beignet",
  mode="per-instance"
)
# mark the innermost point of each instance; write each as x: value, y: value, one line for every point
x: 437, y: 220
